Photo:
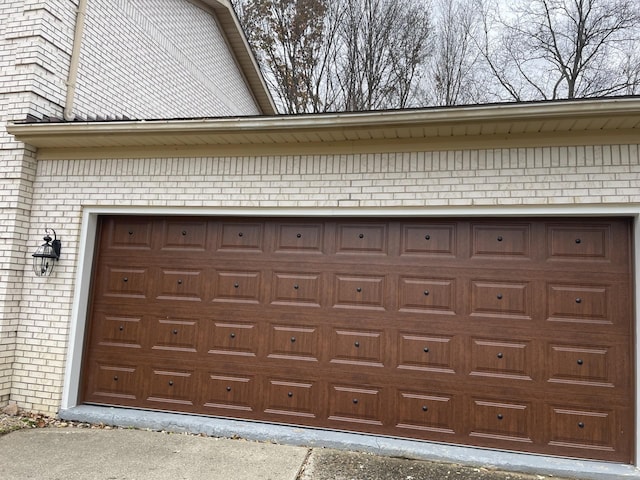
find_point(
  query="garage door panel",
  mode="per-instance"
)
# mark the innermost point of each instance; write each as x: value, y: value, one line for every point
x: 427, y: 295
x: 300, y: 238
x: 180, y: 285
x: 433, y: 413
x: 429, y: 239
x: 504, y: 240
x: 354, y: 404
x: 237, y: 287
x: 127, y: 233
x: 291, y: 398
x: 501, y: 419
x: 170, y: 387
x: 126, y: 282
x: 429, y: 353
x: 362, y: 348
x: 233, y: 338
x: 362, y: 239
x: 579, y: 242
x: 577, y: 427
x: 226, y: 393
x: 297, y: 289
x: 295, y: 343
x: 173, y: 335
x: 506, y: 359
x: 241, y: 237
x: 585, y: 366
x: 184, y: 235
x: 359, y: 292
x: 500, y: 333
x: 115, y: 382
x: 501, y: 299
x: 589, y: 304
x: 118, y: 331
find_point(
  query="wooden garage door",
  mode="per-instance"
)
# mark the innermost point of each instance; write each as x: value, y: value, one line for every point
x: 513, y: 334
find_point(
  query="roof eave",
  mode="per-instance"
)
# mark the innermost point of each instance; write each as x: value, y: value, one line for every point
x: 340, y: 125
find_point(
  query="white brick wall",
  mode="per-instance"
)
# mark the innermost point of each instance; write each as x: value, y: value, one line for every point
x: 34, y: 55
x: 598, y: 175
x: 157, y: 59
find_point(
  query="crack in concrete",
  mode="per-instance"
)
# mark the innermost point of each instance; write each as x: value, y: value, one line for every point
x: 304, y: 464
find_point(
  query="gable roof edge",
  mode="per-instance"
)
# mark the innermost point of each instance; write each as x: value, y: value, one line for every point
x: 245, y: 58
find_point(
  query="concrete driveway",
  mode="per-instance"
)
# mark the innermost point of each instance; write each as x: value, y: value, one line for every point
x: 72, y: 453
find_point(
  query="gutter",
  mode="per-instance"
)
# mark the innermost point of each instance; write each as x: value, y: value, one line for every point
x: 75, y: 60
x: 344, y: 121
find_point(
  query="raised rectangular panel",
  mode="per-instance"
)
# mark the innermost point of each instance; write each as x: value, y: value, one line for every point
x: 501, y: 420
x: 431, y: 353
x: 230, y: 392
x: 184, y: 235
x: 581, y: 428
x: 357, y: 347
x: 499, y: 299
x: 119, y: 330
x: 296, y: 289
x: 354, y: 404
x: 117, y: 382
x: 171, y: 386
x: 291, y: 398
x: 578, y: 304
x: 428, y: 239
x: 126, y: 282
x: 425, y: 295
x: 581, y: 365
x: 129, y: 234
x: 506, y: 240
x: 588, y: 242
x: 501, y: 359
x: 180, y: 285
x: 362, y: 239
x: 294, y: 343
x: 175, y: 335
x: 300, y: 238
x: 233, y: 338
x: 241, y: 237
x: 237, y: 287
x: 430, y: 412
x: 359, y: 292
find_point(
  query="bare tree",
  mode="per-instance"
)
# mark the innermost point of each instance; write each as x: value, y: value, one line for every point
x: 413, y: 50
x: 321, y: 55
x: 292, y: 42
x: 384, y: 46
x: 551, y: 49
x: 455, y: 62
x: 631, y: 72
x: 328, y: 55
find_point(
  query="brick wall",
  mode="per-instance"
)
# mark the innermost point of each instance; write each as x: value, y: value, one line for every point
x: 538, y: 177
x: 157, y: 59
x: 35, y: 45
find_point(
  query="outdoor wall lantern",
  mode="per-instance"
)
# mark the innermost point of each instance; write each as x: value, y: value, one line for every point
x: 46, y: 255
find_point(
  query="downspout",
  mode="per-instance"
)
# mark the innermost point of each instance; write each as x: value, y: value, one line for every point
x: 75, y: 60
